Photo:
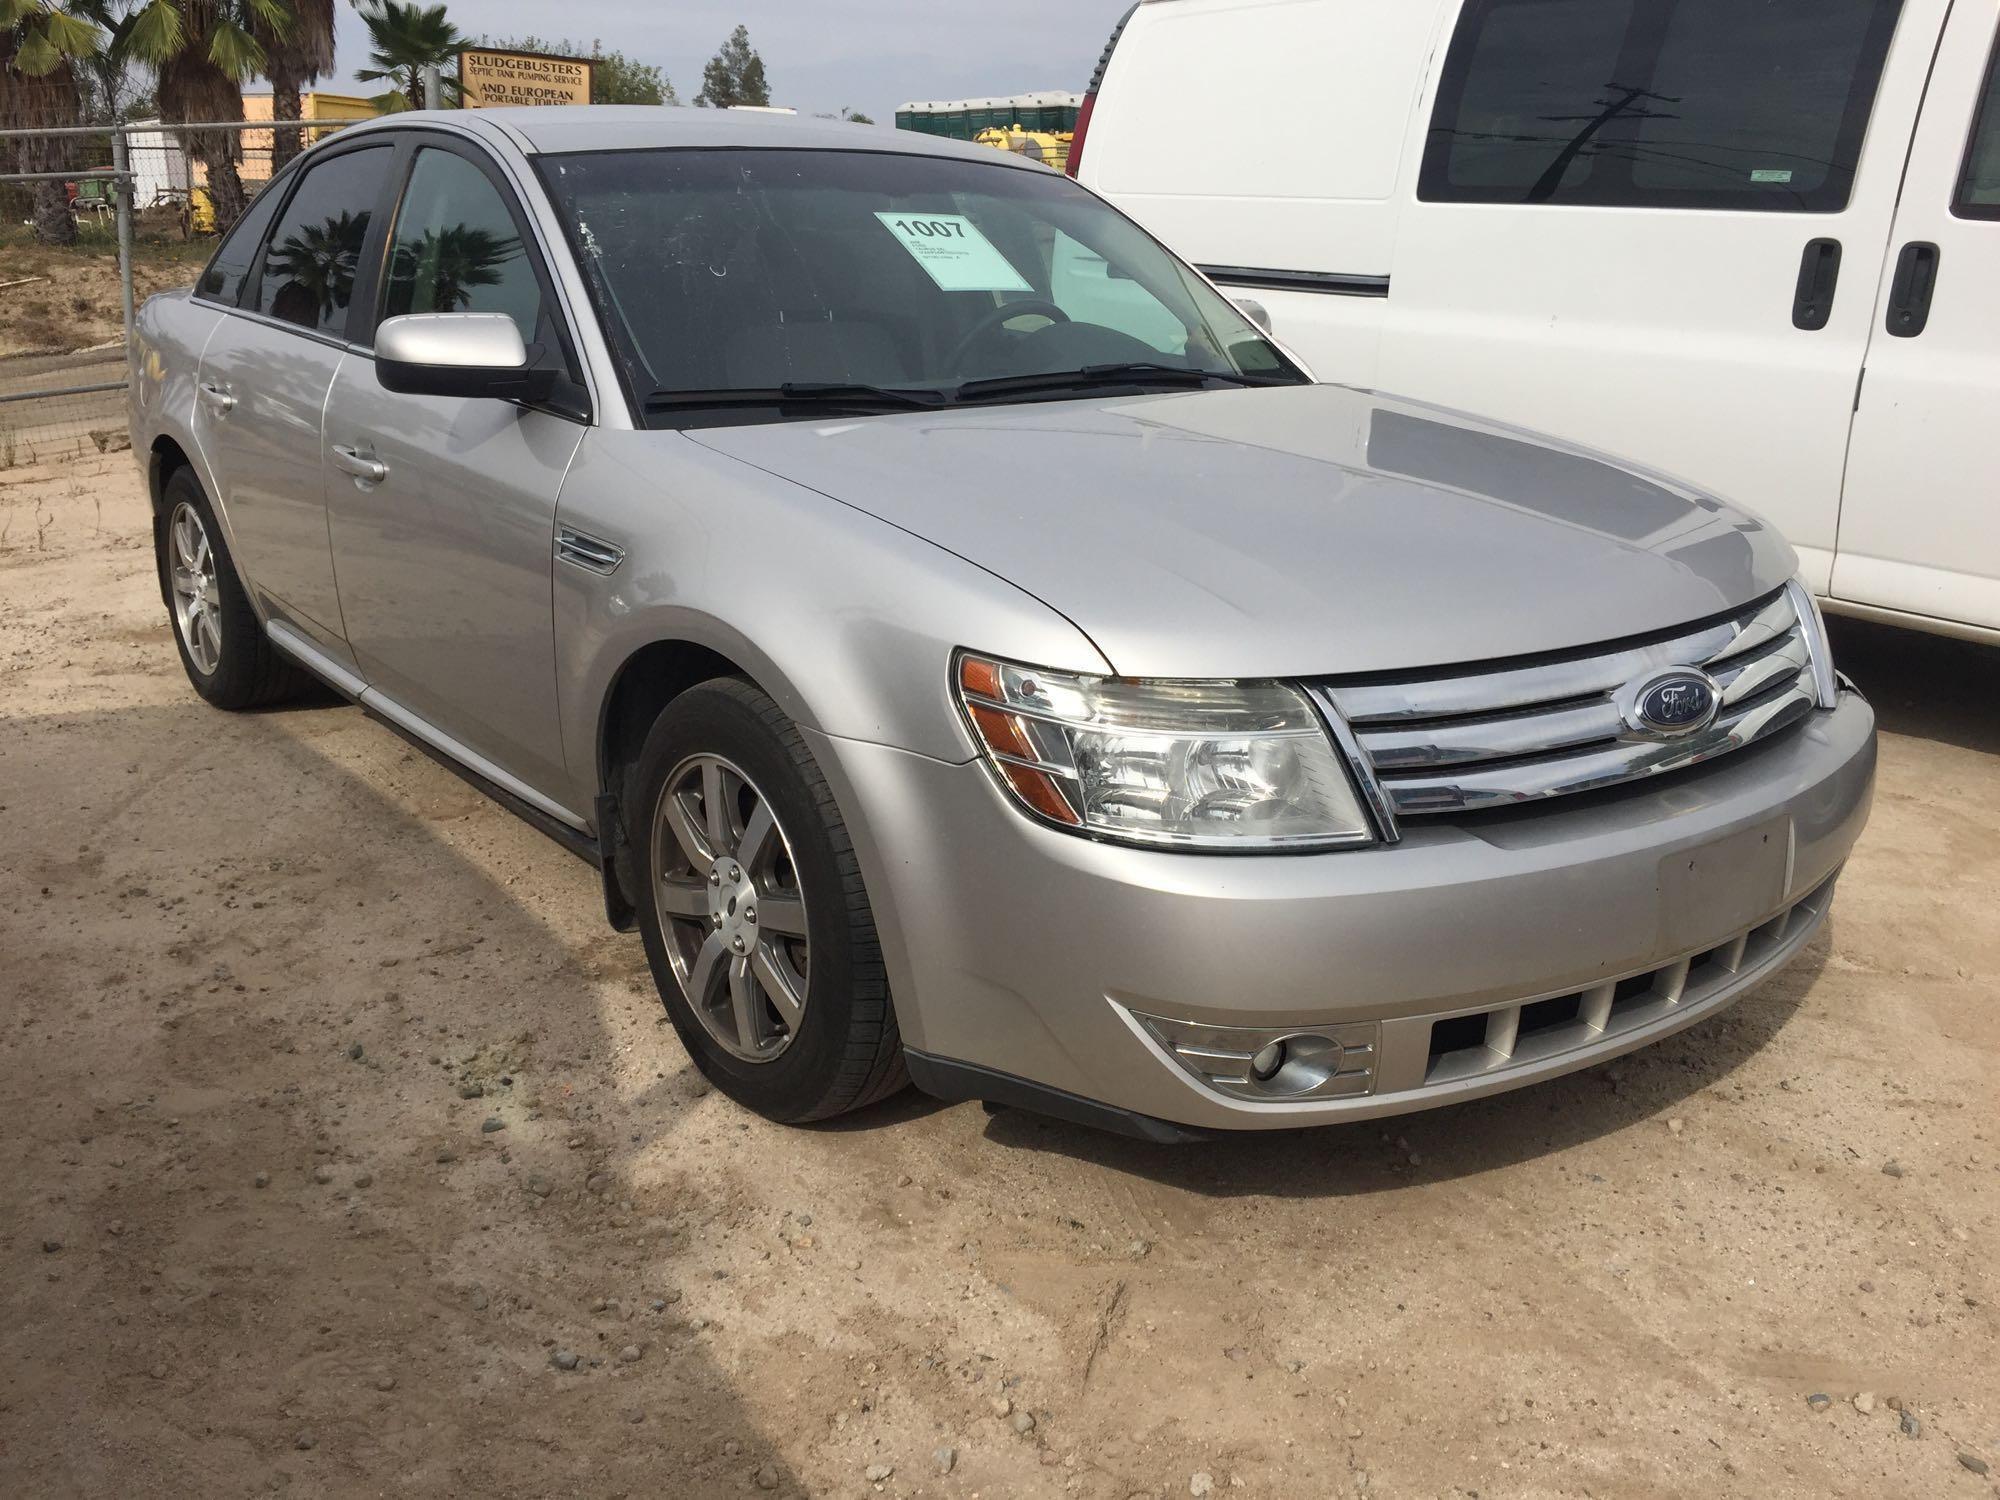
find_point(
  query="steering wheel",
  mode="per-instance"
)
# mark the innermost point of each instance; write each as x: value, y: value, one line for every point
x: 1006, y: 312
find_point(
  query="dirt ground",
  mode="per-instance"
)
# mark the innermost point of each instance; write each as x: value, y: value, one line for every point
x: 59, y: 300
x: 255, y: 1238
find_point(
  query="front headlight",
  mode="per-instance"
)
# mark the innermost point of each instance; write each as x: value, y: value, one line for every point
x: 1188, y: 765
x: 1819, y: 650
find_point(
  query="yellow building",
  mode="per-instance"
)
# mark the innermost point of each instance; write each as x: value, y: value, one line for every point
x: 256, y: 166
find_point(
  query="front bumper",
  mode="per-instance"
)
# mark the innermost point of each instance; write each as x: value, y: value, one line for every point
x: 1034, y: 954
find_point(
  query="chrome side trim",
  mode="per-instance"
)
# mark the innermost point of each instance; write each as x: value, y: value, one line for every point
x: 379, y: 702
x: 1819, y: 652
x: 1325, y: 283
x: 342, y: 679
x: 1360, y: 765
x: 347, y: 682
x: 588, y: 552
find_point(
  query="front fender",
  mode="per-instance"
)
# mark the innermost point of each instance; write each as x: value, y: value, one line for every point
x: 848, y: 622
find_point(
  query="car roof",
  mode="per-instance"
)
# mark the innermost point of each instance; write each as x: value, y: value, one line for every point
x: 627, y: 127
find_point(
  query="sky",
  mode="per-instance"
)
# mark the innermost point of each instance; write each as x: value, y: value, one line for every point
x: 821, y: 57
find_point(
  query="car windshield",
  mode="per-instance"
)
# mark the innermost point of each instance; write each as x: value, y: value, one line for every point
x: 745, y: 285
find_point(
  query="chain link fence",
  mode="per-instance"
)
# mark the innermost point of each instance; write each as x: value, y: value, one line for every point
x: 92, y: 222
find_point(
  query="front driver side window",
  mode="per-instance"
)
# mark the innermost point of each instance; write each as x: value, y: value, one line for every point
x: 457, y: 248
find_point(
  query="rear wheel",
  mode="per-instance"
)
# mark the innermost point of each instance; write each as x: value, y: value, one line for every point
x: 228, y: 658
x: 755, y: 919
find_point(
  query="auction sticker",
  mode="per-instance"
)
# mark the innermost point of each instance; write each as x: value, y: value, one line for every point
x: 958, y: 257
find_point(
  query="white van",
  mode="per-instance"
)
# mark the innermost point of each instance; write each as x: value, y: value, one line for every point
x: 1752, y: 242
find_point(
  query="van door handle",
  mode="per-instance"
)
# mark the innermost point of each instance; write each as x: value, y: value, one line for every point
x: 359, y: 464
x: 1819, y: 277
x: 217, y: 396
x: 1910, y: 293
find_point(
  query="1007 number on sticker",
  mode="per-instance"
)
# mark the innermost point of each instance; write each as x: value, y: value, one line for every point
x: 940, y: 229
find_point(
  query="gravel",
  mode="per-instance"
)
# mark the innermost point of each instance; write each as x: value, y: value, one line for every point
x: 945, y: 1458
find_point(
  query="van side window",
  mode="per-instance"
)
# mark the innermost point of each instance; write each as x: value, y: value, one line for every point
x: 223, y: 279
x: 1757, y: 105
x: 1979, y: 185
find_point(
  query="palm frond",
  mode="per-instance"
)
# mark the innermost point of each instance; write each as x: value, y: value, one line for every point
x: 37, y: 56
x: 156, y: 32
x: 71, y: 35
x: 234, y: 50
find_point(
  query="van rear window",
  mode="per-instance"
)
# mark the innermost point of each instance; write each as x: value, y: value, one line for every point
x: 1758, y: 105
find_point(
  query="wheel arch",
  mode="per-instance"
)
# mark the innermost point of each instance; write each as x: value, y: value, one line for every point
x: 678, y: 654
x: 162, y: 460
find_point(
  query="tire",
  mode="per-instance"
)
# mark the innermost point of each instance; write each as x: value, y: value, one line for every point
x: 223, y: 648
x: 839, y: 1049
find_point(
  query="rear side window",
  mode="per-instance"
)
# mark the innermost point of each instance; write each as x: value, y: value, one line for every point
x: 223, y: 280
x: 1759, y: 105
x: 1979, y: 185
x: 308, y: 275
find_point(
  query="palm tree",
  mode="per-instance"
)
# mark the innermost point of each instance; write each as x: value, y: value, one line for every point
x: 41, y: 42
x: 407, y: 39
x: 292, y: 59
x: 202, y: 51
x: 316, y: 263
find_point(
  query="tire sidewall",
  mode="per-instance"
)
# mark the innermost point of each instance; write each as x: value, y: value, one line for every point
x: 222, y: 686
x: 710, y: 719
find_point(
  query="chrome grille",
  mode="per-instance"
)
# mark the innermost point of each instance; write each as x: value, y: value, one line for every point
x: 1505, y: 735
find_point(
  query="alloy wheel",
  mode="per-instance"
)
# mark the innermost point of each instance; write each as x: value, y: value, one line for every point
x: 727, y: 893
x: 197, y: 589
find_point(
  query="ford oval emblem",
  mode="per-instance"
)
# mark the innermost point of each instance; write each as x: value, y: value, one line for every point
x: 1672, y: 704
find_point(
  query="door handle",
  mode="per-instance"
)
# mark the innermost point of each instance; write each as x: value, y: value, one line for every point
x: 1910, y: 293
x: 1819, y: 277
x: 217, y: 396
x: 360, y: 465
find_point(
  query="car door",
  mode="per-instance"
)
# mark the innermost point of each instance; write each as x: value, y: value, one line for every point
x: 443, y: 509
x: 1654, y: 226
x: 1920, y: 523
x: 265, y: 374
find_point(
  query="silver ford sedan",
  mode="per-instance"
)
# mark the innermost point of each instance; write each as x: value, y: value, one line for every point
x: 973, y: 650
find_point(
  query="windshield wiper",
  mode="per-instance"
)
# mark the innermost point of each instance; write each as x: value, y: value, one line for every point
x: 1132, y: 372
x: 851, y: 395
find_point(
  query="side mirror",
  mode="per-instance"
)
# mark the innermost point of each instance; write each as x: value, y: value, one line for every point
x: 1255, y: 311
x: 470, y: 355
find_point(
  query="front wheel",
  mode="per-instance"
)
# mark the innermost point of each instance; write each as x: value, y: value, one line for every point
x: 755, y: 919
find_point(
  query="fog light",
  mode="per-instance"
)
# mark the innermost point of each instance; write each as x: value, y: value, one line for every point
x: 1270, y: 1064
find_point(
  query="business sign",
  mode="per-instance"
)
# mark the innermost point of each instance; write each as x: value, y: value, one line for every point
x: 500, y: 80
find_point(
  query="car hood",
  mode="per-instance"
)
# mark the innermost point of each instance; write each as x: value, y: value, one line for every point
x: 1289, y: 531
